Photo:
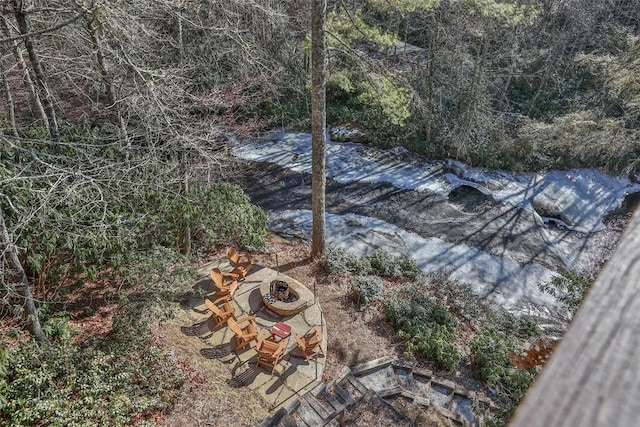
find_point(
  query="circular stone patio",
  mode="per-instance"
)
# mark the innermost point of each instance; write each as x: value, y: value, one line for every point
x: 294, y: 376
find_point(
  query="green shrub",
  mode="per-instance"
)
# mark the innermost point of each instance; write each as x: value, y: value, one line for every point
x: 380, y: 263
x: 464, y: 302
x: 101, y: 382
x: 428, y: 327
x: 522, y: 327
x: 55, y: 324
x: 434, y: 343
x: 68, y: 385
x: 570, y: 288
x: 338, y: 260
x: 114, y: 211
x: 491, y: 364
x: 460, y: 298
x: 227, y: 215
x: 367, y: 289
x: 408, y: 268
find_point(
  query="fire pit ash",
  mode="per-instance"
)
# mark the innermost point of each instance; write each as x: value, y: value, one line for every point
x: 280, y: 289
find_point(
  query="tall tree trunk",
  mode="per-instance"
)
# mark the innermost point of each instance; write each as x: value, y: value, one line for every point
x: 23, y: 26
x: 464, y: 136
x: 17, y: 275
x: 10, y: 106
x: 318, y: 125
x: 431, y: 67
x: 107, y: 79
x: 185, y: 230
x: 26, y: 75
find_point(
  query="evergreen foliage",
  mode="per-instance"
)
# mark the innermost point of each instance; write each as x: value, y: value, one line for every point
x: 430, y: 330
x: 570, y: 289
x: 491, y: 364
x: 96, y: 213
x: 113, y: 381
x: 366, y: 290
x: 379, y: 263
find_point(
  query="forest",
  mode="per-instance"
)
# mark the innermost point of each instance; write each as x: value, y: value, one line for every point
x: 117, y: 126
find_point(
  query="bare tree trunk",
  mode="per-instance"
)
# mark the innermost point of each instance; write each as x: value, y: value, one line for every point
x: 467, y: 116
x: 430, y: 85
x: 26, y: 76
x: 23, y: 26
x: 185, y: 231
x: 107, y: 79
x: 10, y: 254
x: 318, y: 125
x: 180, y: 40
x: 10, y: 107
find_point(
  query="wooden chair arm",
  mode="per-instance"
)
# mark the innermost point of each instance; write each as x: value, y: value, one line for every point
x: 246, y: 318
x: 220, y: 300
x: 246, y: 335
x: 279, y: 349
x: 299, y: 340
x: 231, y: 275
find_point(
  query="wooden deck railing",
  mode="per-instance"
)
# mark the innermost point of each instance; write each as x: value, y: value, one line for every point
x: 593, y: 377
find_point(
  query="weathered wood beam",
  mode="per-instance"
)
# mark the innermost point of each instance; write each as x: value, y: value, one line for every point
x: 593, y: 377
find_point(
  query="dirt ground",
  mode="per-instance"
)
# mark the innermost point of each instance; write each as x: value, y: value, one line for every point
x: 353, y: 336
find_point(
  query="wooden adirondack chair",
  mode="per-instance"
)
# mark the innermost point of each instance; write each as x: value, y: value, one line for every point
x: 269, y: 352
x: 246, y: 334
x: 311, y: 343
x: 219, y: 279
x: 240, y: 263
x: 221, y: 310
x: 227, y: 292
x: 236, y: 257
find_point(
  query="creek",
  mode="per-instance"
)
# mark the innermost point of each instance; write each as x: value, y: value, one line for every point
x: 503, y: 234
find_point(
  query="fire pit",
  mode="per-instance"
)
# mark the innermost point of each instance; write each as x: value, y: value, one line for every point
x: 280, y: 289
x: 285, y: 296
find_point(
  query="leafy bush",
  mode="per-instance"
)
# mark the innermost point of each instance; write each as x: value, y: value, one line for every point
x: 113, y: 211
x: 570, y: 288
x: 491, y: 364
x: 408, y: 268
x: 337, y: 260
x: 227, y: 215
x: 380, y: 263
x: 464, y: 302
x: 67, y: 385
x: 54, y: 325
x: 428, y: 327
x: 367, y: 289
x: 101, y: 382
x: 166, y: 276
x: 460, y: 298
x: 522, y: 327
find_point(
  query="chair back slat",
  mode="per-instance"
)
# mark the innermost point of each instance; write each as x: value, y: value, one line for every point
x: 216, y: 276
x: 211, y: 306
x: 235, y: 328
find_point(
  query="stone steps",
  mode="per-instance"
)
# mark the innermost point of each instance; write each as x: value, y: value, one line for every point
x: 385, y: 379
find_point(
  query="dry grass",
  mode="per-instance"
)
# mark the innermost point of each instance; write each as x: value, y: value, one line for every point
x: 209, y: 400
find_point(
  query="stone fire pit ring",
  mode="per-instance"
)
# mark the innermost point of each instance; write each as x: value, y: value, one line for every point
x: 301, y: 296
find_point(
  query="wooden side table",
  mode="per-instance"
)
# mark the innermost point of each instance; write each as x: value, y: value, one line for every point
x: 280, y: 331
